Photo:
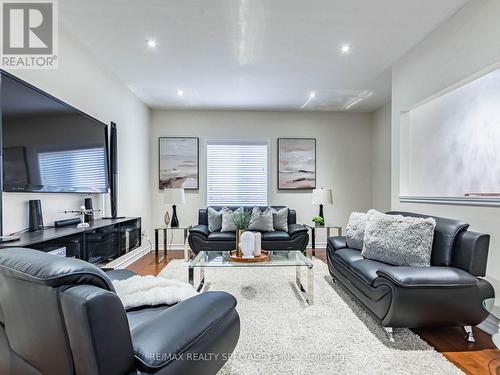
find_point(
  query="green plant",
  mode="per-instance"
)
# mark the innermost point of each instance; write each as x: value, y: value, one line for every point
x: 242, y: 219
x: 318, y: 220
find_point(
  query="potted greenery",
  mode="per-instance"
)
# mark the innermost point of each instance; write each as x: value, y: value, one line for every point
x: 242, y: 220
x: 318, y: 220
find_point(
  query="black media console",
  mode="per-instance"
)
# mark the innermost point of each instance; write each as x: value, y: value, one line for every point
x: 103, y: 241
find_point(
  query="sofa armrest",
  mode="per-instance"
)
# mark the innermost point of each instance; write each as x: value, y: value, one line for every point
x: 200, y: 229
x: 471, y: 252
x: 411, y: 277
x: 294, y: 229
x: 337, y: 242
x: 206, y: 323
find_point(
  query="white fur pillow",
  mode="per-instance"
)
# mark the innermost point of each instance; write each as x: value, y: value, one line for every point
x: 398, y: 240
x: 355, y: 231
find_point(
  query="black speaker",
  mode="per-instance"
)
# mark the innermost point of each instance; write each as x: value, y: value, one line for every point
x: 89, y: 206
x: 113, y: 172
x: 113, y: 169
x: 36, y: 217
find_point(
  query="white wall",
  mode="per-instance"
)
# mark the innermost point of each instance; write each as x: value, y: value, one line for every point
x: 381, y: 158
x: 464, y: 45
x: 82, y: 82
x: 343, y: 156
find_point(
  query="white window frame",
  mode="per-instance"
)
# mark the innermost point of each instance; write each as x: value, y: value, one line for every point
x: 265, y: 141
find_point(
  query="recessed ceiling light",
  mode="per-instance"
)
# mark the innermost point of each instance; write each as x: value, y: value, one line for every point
x: 312, y: 94
x: 180, y: 93
x: 151, y: 43
x: 345, y: 49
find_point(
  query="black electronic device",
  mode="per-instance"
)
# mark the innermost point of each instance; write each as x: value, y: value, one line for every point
x: 35, y: 215
x: 48, y: 145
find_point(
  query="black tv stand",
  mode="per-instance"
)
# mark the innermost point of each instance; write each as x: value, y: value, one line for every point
x: 100, y: 243
x: 111, y: 218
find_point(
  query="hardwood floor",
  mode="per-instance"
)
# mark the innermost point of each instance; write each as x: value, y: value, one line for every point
x: 479, y: 358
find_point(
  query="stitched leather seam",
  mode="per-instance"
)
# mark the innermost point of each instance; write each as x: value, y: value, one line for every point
x: 426, y: 285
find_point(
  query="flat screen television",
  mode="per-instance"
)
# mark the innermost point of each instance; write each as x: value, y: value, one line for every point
x: 48, y: 145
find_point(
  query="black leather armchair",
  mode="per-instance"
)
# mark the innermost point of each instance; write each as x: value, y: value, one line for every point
x: 201, y: 239
x: 60, y: 316
x: 449, y: 293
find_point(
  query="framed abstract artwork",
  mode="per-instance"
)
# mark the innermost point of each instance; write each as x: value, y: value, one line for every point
x: 296, y: 163
x: 179, y: 162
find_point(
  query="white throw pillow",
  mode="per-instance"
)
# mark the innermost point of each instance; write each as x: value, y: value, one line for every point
x: 398, y: 240
x: 228, y: 219
x: 355, y: 231
x: 262, y: 221
x: 280, y: 219
x: 214, y: 219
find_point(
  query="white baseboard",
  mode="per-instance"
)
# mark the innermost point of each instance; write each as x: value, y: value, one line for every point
x: 129, y: 258
x: 490, y: 325
x: 319, y: 245
x: 174, y: 246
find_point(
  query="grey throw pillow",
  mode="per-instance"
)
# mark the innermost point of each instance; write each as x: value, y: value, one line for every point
x: 355, y: 231
x: 214, y: 219
x: 262, y: 221
x: 228, y: 219
x: 280, y: 219
x: 398, y: 240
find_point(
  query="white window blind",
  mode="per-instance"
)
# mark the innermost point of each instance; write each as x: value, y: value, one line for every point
x: 82, y: 168
x: 237, y: 173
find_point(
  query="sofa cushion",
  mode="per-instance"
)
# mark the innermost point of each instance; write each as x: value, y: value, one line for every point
x: 277, y: 235
x: 347, y: 256
x: 398, y: 240
x: 222, y: 236
x: 445, y: 236
x: 367, y: 269
x: 355, y: 231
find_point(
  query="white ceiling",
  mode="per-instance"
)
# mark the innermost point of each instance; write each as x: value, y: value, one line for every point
x: 255, y: 54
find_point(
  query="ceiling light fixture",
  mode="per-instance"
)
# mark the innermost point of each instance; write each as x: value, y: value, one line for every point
x: 151, y: 43
x: 345, y: 49
x: 180, y: 93
x: 312, y: 95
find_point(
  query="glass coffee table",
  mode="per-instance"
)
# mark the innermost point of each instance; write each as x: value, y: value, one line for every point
x: 492, y: 305
x: 285, y: 258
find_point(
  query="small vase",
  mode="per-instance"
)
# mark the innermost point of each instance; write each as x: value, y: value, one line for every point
x: 166, y: 218
x: 238, y: 236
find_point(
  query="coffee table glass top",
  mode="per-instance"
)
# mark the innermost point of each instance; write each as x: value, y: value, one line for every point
x: 286, y: 258
x: 492, y: 305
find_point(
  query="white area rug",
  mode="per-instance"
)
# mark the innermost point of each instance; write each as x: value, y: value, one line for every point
x: 281, y: 334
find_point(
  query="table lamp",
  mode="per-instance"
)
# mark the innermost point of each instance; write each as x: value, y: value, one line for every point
x: 173, y: 197
x: 322, y: 196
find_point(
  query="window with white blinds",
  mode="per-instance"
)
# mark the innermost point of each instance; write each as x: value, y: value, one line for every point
x: 237, y: 173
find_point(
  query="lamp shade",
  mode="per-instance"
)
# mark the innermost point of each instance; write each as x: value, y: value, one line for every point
x: 322, y: 196
x: 174, y: 196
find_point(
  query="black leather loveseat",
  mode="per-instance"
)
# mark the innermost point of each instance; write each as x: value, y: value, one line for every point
x: 60, y: 316
x: 449, y: 293
x: 201, y: 239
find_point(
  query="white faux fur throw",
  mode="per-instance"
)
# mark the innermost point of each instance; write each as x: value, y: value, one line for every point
x: 150, y: 291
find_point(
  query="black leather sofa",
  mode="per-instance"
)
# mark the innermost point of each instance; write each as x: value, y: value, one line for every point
x: 60, y: 316
x: 201, y: 239
x: 449, y: 293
